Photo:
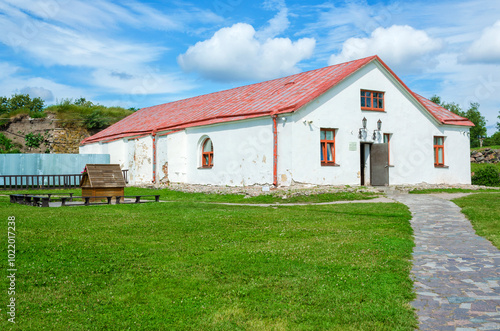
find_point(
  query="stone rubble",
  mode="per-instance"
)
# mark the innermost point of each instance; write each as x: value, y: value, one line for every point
x: 304, y: 189
x: 486, y: 156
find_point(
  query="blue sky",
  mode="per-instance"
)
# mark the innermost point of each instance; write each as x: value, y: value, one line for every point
x: 143, y: 53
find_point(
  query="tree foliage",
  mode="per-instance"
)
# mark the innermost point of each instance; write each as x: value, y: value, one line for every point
x: 472, y: 114
x: 21, y: 102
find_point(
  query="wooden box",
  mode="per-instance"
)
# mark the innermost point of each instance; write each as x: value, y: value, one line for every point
x: 102, y: 180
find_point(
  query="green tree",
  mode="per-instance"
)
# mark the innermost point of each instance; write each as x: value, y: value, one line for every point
x: 4, y: 105
x: 83, y: 102
x: 21, y: 101
x: 472, y: 114
x: 453, y: 107
x: 479, y: 128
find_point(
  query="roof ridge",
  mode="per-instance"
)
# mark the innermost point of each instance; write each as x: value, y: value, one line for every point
x: 266, y: 81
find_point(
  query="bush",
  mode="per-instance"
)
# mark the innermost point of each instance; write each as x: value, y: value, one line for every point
x: 6, y: 145
x: 96, y: 120
x: 488, y: 176
x: 34, y: 140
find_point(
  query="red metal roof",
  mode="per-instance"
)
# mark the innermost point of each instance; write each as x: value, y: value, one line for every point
x: 283, y: 95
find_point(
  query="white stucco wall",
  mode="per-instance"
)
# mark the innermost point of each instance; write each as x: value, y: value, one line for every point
x: 177, y: 157
x: 243, y: 150
x: 411, y: 147
x: 243, y: 153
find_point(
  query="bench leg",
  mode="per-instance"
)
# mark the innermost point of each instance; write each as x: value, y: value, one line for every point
x: 45, y: 202
x: 157, y: 198
x: 87, y: 201
x: 118, y: 200
x: 109, y: 200
x: 138, y: 199
x: 71, y: 197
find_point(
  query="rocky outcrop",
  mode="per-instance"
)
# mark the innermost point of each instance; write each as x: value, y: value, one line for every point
x: 486, y: 156
x: 58, y: 138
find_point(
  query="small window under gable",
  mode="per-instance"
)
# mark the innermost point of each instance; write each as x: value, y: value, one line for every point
x: 207, y: 154
x: 372, y: 100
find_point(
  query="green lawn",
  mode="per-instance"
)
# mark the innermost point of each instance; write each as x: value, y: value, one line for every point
x: 191, y: 266
x: 171, y: 195
x: 483, y: 148
x: 450, y: 190
x: 483, y: 210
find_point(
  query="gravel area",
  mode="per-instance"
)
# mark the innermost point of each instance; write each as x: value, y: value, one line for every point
x: 305, y: 189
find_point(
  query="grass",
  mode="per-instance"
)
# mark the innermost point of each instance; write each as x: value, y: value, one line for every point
x: 483, y: 210
x: 192, y: 266
x: 483, y: 148
x: 171, y: 195
x: 450, y: 190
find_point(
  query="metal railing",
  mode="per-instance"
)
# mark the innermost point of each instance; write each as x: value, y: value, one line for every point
x: 43, y: 182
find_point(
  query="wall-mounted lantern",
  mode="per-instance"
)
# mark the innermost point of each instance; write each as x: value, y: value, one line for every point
x: 376, y: 133
x: 363, y: 129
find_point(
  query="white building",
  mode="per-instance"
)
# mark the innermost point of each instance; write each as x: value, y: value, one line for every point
x: 354, y: 123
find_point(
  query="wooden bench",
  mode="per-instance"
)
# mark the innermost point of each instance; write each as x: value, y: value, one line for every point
x: 43, y: 201
x: 137, y: 198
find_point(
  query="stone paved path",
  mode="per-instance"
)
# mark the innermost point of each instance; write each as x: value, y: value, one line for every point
x: 456, y: 272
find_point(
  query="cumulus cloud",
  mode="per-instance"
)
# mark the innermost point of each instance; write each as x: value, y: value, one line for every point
x: 38, y: 92
x: 402, y: 47
x: 235, y: 53
x: 487, y: 48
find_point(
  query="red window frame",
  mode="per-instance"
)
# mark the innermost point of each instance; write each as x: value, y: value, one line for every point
x: 325, y: 145
x: 207, y: 157
x: 372, y: 100
x: 387, y: 136
x: 437, y: 147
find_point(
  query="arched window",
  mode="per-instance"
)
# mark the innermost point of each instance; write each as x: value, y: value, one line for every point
x: 207, y: 154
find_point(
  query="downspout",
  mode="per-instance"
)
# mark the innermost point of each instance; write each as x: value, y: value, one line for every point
x: 275, y: 151
x: 154, y: 156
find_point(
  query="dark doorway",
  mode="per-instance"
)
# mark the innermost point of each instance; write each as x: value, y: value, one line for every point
x: 364, y: 152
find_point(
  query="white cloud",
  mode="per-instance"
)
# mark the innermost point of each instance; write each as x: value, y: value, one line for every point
x: 38, y: 92
x: 54, y: 45
x: 100, y: 14
x: 487, y: 48
x: 278, y: 24
x: 236, y: 54
x: 402, y: 47
x: 12, y: 82
x: 139, y: 81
